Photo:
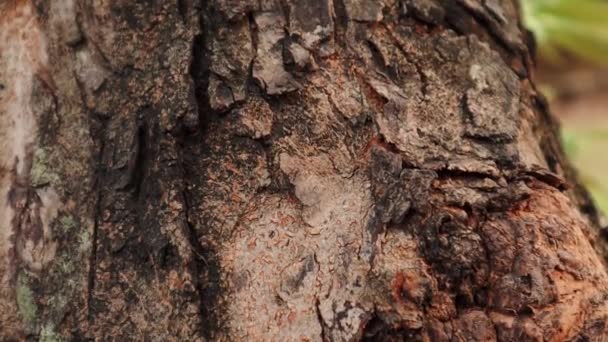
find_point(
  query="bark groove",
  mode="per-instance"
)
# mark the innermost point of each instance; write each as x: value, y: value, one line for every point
x: 286, y: 170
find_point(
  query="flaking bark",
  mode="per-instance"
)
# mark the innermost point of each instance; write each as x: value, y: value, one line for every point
x: 286, y: 170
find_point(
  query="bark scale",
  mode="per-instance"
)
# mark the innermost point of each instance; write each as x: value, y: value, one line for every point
x: 285, y: 170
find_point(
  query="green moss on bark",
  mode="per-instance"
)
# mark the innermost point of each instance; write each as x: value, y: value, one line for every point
x: 26, y: 301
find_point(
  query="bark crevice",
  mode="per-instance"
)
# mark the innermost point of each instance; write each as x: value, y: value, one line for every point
x: 292, y: 170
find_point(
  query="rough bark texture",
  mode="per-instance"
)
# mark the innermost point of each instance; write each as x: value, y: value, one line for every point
x: 285, y: 170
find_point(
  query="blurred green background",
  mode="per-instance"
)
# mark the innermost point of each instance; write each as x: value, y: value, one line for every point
x: 572, y: 40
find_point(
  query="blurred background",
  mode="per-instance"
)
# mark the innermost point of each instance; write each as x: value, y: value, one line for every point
x: 572, y: 46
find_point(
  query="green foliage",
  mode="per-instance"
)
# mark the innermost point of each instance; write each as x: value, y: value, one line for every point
x: 577, y: 26
x: 586, y: 148
x: 600, y: 196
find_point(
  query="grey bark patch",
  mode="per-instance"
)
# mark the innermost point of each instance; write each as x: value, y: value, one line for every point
x: 294, y: 276
x: 389, y: 191
x: 311, y: 21
x: 121, y: 152
x: 429, y: 11
x: 417, y: 109
x: 230, y: 55
x: 492, y: 102
x: 34, y: 211
x: 364, y: 10
x: 235, y: 9
x: 494, y: 15
x: 495, y: 8
x: 221, y: 96
x: 268, y: 66
x: 64, y: 17
x: 297, y: 55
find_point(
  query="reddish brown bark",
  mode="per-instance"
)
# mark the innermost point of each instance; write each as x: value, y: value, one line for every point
x: 289, y: 170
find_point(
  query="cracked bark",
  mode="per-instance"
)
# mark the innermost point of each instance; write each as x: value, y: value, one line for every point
x: 286, y: 170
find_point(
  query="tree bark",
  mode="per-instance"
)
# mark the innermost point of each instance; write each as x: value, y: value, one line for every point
x: 286, y: 170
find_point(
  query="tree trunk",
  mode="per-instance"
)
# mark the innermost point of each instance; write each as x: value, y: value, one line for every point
x: 285, y: 170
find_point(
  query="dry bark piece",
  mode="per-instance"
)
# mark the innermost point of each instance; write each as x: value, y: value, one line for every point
x: 285, y: 170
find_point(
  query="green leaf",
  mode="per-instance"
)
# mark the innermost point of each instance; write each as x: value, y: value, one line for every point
x: 579, y: 27
x: 583, y: 146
